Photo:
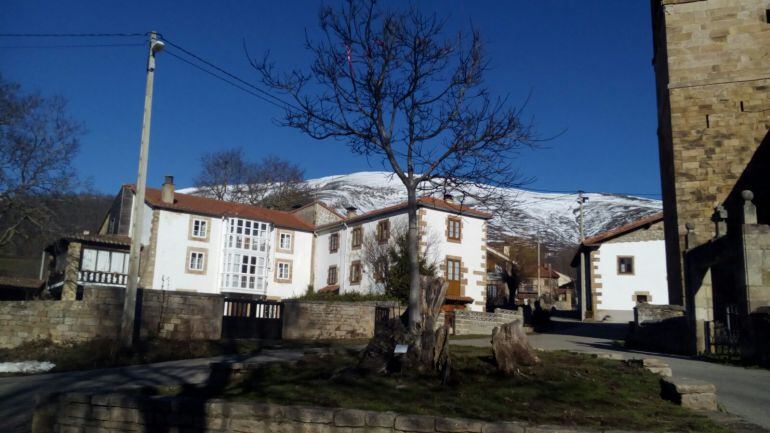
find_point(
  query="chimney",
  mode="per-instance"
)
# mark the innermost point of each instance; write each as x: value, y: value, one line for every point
x: 351, y: 211
x: 448, y: 198
x: 167, y: 193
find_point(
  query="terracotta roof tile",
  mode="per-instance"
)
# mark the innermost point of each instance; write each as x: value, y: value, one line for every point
x: 609, y: 234
x: 117, y: 240
x: 219, y: 208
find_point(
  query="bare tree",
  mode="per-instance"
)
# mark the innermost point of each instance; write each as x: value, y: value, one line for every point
x: 223, y: 174
x: 276, y: 183
x: 38, y: 142
x: 398, y: 88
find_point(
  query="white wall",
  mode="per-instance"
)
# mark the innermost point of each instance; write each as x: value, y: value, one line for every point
x: 171, y: 254
x: 472, y: 250
x: 649, y: 274
x: 301, y: 265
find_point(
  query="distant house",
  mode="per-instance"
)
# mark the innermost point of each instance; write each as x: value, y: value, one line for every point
x: 536, y: 283
x: 623, y: 267
x: 198, y: 244
x: 499, y: 268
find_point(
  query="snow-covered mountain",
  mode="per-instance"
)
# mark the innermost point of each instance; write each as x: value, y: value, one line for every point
x: 554, y: 216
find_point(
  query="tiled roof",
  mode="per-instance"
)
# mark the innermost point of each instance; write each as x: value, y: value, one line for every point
x: 329, y: 289
x: 596, y: 240
x: 219, y: 208
x: 427, y: 202
x: 116, y: 240
x: 626, y: 228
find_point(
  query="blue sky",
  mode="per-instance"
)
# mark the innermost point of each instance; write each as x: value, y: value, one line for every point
x: 587, y: 64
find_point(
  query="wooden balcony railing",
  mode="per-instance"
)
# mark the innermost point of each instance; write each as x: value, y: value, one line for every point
x: 94, y: 277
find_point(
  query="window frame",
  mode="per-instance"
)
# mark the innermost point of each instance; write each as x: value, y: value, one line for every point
x: 383, y: 231
x: 279, y: 235
x: 356, y: 264
x: 203, y: 261
x: 334, y: 242
x: 633, y: 266
x: 191, y: 229
x: 454, y: 235
x: 353, y: 237
x: 329, y: 274
x: 278, y: 278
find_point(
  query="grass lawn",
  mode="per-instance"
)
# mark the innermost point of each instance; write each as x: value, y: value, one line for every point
x: 104, y: 353
x: 565, y: 389
x: 107, y: 353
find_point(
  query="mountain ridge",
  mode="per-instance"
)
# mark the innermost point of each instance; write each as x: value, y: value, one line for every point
x: 551, y: 216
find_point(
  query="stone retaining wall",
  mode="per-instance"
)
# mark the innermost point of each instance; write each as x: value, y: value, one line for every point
x: 480, y: 323
x: 314, y: 320
x: 80, y: 413
x: 166, y: 314
x: 654, y: 313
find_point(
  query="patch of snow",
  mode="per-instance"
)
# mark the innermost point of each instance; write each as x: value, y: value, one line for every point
x: 26, y: 367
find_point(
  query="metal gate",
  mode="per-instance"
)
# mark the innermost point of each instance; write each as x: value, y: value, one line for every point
x: 724, y: 337
x: 246, y: 318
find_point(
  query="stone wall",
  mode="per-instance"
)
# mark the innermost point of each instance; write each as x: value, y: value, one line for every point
x: 78, y: 413
x: 480, y: 323
x: 644, y: 313
x: 316, y: 320
x: 711, y: 62
x: 175, y: 315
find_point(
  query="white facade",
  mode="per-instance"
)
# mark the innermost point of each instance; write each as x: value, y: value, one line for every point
x: 620, y: 291
x: 188, y: 247
x: 470, y: 250
x: 622, y: 268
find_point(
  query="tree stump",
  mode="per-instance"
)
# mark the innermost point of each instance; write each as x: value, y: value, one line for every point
x: 428, y: 346
x: 512, y: 349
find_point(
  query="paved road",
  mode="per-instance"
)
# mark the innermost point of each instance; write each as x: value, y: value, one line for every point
x: 17, y: 394
x: 742, y: 391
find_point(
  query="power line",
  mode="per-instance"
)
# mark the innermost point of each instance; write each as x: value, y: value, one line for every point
x: 71, y: 46
x: 70, y: 35
x: 231, y: 75
x: 230, y: 82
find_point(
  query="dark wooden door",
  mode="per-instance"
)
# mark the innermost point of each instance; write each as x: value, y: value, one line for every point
x: 453, y: 276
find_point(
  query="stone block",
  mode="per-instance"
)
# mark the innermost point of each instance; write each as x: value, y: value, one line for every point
x: 503, y: 427
x: 309, y: 414
x: 77, y: 410
x: 350, y: 418
x: 415, y: 423
x: 684, y: 385
x: 458, y: 425
x: 560, y: 429
x: 662, y: 371
x: 700, y: 401
x: 380, y: 419
x: 689, y: 393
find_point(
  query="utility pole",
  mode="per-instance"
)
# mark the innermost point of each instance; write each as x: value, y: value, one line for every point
x: 539, y: 276
x: 583, y: 292
x: 129, y: 303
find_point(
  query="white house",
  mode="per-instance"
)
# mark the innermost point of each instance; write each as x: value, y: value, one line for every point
x: 452, y: 236
x: 198, y: 244
x: 622, y: 267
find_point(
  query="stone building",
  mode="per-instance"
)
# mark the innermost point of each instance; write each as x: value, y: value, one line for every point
x: 712, y: 66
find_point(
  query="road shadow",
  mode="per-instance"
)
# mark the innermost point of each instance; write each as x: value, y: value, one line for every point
x: 603, y: 330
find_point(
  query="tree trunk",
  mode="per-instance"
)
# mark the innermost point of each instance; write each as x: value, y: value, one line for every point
x: 414, y: 261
